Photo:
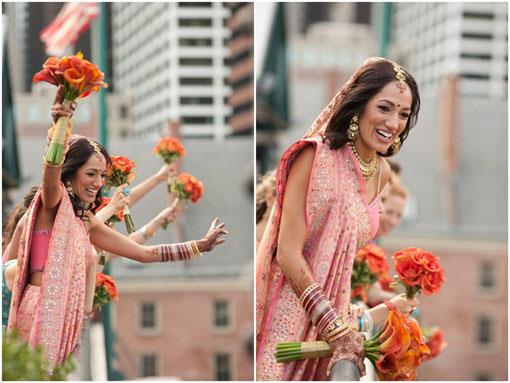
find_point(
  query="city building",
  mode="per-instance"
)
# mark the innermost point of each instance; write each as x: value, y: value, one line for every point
x: 172, y: 59
x: 458, y: 55
x: 241, y: 67
x: 470, y: 40
x: 192, y: 320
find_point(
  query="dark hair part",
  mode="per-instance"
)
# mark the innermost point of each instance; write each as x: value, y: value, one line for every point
x: 376, y: 76
x: 15, y: 216
x: 78, y: 154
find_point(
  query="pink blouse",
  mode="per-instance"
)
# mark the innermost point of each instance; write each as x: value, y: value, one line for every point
x: 39, y: 249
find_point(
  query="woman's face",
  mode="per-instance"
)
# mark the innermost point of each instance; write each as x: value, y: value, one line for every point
x: 394, y: 206
x: 384, y: 118
x: 89, y: 178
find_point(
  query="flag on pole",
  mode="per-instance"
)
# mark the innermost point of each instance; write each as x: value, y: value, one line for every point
x: 72, y: 20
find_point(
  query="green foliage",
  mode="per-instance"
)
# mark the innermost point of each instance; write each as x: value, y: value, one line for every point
x: 21, y: 362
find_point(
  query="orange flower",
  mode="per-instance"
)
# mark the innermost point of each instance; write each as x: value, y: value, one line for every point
x: 169, y: 149
x: 408, y: 270
x: 106, y: 281
x: 123, y: 164
x: 79, y: 76
x: 436, y: 342
x: 385, y: 281
x: 188, y: 187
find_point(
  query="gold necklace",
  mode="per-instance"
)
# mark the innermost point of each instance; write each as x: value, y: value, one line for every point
x: 368, y: 168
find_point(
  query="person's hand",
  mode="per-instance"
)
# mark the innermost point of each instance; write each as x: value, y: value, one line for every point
x: 119, y: 199
x: 58, y: 109
x: 403, y: 304
x: 168, y: 214
x: 354, y: 312
x: 166, y: 171
x: 214, y: 236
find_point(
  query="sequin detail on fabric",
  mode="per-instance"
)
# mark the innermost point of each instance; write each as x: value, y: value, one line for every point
x: 58, y: 315
x: 337, y: 224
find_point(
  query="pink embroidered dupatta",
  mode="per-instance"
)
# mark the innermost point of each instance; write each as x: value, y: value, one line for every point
x: 59, y: 311
x: 339, y: 221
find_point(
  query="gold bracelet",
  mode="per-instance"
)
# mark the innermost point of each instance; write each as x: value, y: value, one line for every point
x: 337, y: 336
x: 195, y: 248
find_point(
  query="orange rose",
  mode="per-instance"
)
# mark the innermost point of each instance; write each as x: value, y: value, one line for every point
x: 385, y: 281
x: 122, y: 164
x: 169, y: 149
x: 408, y: 270
x: 432, y: 282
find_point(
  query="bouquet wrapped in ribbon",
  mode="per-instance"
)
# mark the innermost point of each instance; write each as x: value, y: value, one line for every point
x: 418, y: 270
x: 396, y: 350
x: 119, y: 173
x: 106, y: 290
x: 370, y: 266
x: 79, y: 78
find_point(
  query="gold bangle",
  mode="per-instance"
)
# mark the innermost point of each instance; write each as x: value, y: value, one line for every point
x: 338, y: 335
x: 195, y: 248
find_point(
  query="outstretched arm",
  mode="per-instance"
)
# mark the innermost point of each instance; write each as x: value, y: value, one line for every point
x: 146, y: 186
x: 109, y: 240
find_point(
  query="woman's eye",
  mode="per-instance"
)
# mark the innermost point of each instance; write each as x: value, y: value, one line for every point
x: 90, y: 174
x: 405, y: 115
x: 384, y: 108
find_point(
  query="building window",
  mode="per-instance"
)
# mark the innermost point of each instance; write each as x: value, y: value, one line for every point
x: 195, y: 81
x: 485, y: 329
x: 478, y: 36
x: 195, y: 22
x: 196, y: 61
x: 196, y: 100
x: 222, y: 366
x: 123, y: 112
x: 206, y: 120
x: 221, y: 314
x: 482, y: 375
x: 487, y: 275
x: 148, y: 365
x: 148, y: 316
x: 195, y: 42
x: 194, y: 4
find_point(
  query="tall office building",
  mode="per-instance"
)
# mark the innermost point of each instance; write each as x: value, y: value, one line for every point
x: 241, y: 63
x: 465, y: 39
x: 172, y: 59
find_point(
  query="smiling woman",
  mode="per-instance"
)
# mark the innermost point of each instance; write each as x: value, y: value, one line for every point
x: 328, y: 198
x: 53, y: 245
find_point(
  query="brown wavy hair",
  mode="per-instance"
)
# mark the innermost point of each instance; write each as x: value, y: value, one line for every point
x: 370, y: 82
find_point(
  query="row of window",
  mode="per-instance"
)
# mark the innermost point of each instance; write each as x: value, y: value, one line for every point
x: 138, y: 48
x: 152, y: 110
x: 150, y: 366
x: 152, y: 91
x: 221, y: 315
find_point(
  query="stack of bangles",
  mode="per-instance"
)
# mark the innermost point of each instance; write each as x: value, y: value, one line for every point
x: 178, y: 251
x: 323, y: 314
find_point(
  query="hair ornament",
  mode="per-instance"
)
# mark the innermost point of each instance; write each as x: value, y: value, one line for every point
x: 400, y: 77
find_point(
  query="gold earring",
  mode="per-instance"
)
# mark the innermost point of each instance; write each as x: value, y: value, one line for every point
x: 395, y: 146
x: 353, y: 130
x: 69, y: 188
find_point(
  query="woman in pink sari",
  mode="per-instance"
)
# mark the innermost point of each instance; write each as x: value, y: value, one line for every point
x: 55, y: 248
x: 327, y: 205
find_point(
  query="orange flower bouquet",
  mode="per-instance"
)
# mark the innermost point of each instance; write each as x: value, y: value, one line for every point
x: 186, y: 188
x: 370, y: 266
x: 106, y: 290
x: 396, y: 350
x: 170, y: 149
x: 121, y: 172
x: 80, y: 78
x: 117, y: 217
x: 418, y: 270
x: 435, y: 340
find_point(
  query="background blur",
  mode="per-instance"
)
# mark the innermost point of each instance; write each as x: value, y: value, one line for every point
x: 179, y: 69
x: 454, y: 162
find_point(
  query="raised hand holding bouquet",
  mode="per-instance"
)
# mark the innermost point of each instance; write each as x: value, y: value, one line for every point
x: 79, y: 78
x: 106, y: 290
x: 418, y: 270
x: 118, y: 174
x: 370, y: 266
x: 170, y: 150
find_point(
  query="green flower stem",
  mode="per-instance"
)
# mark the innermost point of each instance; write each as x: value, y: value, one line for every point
x: 55, y: 153
x: 130, y: 226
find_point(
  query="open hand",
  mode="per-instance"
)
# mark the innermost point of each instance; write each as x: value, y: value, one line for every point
x: 214, y: 236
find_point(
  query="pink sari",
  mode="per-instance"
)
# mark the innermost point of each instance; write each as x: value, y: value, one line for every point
x: 52, y: 315
x: 338, y: 222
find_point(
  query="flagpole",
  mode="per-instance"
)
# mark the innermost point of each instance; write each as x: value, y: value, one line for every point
x: 103, y: 138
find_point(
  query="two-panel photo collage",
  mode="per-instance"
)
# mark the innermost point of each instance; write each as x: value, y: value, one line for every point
x: 255, y: 191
